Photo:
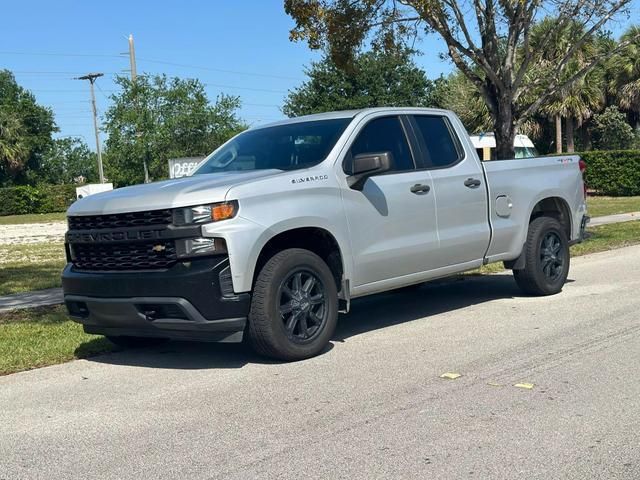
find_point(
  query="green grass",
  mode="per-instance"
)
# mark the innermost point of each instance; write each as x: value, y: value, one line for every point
x: 33, y: 218
x: 44, y: 336
x: 28, y: 267
x: 598, y: 206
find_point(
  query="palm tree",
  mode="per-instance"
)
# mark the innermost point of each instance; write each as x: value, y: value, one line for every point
x: 626, y: 66
x: 578, y: 103
x: 13, y: 149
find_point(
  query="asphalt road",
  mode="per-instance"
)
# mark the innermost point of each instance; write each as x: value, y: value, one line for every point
x: 373, y: 405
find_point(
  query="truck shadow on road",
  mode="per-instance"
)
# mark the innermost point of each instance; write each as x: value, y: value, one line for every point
x: 420, y: 303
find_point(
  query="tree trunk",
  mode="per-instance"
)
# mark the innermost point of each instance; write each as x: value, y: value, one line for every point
x: 558, y: 134
x: 505, y: 130
x: 569, y: 131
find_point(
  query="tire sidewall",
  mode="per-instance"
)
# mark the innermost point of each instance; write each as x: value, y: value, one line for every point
x: 550, y: 225
x: 298, y: 259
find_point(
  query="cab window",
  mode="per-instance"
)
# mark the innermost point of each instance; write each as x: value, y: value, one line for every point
x: 385, y: 135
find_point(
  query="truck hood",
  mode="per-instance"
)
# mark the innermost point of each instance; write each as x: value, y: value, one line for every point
x: 179, y: 192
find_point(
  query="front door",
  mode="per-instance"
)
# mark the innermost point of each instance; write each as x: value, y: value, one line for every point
x: 392, y: 219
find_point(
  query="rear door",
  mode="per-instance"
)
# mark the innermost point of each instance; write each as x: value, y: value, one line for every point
x: 460, y: 192
x: 392, y: 222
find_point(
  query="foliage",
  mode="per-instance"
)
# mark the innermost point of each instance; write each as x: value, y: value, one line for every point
x: 613, y: 172
x: 489, y: 42
x: 69, y: 161
x: 579, y: 101
x: 455, y: 92
x: 157, y: 118
x: 612, y: 132
x: 25, y: 131
x: 376, y: 79
x: 26, y: 199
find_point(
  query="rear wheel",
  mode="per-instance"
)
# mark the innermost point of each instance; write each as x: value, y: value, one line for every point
x: 294, y: 307
x: 547, y: 258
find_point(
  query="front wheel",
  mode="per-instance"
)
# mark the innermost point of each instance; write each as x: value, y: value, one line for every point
x: 546, y: 258
x: 294, y: 307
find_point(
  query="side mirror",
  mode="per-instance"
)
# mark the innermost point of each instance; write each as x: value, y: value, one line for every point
x: 365, y: 165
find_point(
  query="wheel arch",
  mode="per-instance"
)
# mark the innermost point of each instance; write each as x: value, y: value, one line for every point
x: 316, y: 239
x: 552, y: 206
x: 556, y: 207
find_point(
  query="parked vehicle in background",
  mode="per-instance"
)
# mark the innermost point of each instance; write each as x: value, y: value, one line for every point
x: 485, y: 145
x: 282, y: 226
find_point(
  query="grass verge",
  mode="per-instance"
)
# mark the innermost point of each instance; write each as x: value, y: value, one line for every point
x: 599, y: 206
x: 33, y: 218
x: 44, y: 336
x: 28, y: 267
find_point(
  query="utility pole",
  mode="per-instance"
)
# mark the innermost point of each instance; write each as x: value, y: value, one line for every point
x: 132, y: 58
x: 92, y: 79
x: 134, y: 75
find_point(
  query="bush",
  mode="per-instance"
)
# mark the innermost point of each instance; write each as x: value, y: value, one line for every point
x: 613, y: 172
x: 39, y: 199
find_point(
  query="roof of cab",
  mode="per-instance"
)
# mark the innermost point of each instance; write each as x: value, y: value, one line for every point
x: 350, y: 114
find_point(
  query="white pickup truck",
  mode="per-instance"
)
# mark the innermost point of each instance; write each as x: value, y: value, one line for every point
x: 282, y: 226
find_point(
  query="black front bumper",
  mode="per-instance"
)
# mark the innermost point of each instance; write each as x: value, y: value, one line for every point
x: 189, y: 301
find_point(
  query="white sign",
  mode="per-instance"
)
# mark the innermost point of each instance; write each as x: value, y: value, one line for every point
x: 181, y: 167
x: 91, y: 188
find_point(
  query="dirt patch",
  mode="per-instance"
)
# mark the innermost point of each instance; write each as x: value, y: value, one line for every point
x: 32, y: 233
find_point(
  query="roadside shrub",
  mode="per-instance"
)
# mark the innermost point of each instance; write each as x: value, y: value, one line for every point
x: 39, y: 199
x: 613, y: 172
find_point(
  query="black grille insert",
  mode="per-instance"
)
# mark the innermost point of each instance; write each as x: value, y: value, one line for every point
x: 121, y: 220
x: 124, y: 256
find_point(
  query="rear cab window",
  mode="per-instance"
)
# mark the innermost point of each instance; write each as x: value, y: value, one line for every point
x: 440, y: 145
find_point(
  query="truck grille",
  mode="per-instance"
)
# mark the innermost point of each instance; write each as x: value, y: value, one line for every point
x: 124, y: 256
x: 121, y: 220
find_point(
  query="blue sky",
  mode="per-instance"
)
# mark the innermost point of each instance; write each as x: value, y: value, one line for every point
x: 238, y: 47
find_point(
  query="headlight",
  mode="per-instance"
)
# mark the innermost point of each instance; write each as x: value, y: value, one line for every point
x: 214, y: 212
x: 192, y: 247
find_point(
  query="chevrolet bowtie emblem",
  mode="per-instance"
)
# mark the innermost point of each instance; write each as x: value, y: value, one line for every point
x: 158, y: 248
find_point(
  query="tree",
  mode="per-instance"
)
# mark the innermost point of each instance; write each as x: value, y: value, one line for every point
x: 626, y: 66
x: 376, y: 79
x: 455, y: 92
x: 25, y: 131
x: 488, y: 40
x: 69, y: 161
x: 579, y: 101
x: 157, y: 118
x: 612, y: 132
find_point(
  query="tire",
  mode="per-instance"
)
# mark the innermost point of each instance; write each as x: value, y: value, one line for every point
x: 287, y: 322
x: 547, y: 258
x: 135, y: 342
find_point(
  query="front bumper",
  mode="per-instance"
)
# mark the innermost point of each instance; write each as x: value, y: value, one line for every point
x: 189, y: 301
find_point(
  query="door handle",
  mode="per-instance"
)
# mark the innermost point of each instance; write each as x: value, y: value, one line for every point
x: 472, y: 183
x: 420, y: 188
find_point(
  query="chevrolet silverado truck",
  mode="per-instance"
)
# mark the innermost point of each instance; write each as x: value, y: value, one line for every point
x: 281, y: 227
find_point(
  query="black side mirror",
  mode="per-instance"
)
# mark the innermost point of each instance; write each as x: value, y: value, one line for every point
x: 366, y: 164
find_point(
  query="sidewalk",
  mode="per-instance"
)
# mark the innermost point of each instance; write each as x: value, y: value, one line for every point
x: 607, y: 219
x: 53, y: 296
x: 38, y: 298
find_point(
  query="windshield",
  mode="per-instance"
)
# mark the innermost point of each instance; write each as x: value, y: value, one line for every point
x: 283, y: 147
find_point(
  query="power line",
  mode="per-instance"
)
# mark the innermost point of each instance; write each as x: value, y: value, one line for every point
x: 160, y: 62
x: 56, y: 54
x: 234, y: 72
